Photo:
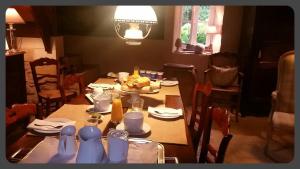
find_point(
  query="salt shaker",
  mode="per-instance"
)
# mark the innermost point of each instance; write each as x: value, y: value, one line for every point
x: 117, y: 146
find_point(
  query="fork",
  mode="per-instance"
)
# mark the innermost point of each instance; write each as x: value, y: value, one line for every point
x: 57, y: 127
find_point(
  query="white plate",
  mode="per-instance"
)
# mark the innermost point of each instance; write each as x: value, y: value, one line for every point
x: 151, y: 92
x: 169, y: 83
x: 90, y: 109
x: 165, y: 116
x: 62, y: 120
x: 146, y: 129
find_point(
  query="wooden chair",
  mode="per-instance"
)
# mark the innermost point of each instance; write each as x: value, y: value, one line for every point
x: 70, y: 80
x: 187, y: 78
x: 209, y: 153
x: 196, y: 122
x: 282, y: 118
x: 230, y: 94
x: 46, y: 77
x: 16, y: 119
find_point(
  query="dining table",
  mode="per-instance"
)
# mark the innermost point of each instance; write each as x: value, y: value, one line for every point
x: 173, y: 134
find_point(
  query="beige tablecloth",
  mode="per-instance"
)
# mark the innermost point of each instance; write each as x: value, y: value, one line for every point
x: 163, y: 131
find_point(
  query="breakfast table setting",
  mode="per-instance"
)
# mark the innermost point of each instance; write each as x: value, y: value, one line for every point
x: 114, y: 121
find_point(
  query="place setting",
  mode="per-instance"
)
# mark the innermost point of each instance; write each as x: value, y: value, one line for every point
x: 165, y: 112
x: 49, y: 125
x: 133, y: 120
x: 169, y: 83
x: 134, y: 124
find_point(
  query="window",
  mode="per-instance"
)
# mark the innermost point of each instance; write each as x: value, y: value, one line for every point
x: 199, y: 26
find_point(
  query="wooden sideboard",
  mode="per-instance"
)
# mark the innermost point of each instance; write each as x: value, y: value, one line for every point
x: 15, y: 79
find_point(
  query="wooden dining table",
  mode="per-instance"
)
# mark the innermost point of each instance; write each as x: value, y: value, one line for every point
x: 169, y: 96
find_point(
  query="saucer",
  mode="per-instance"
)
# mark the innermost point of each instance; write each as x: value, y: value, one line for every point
x: 169, y: 83
x: 90, y: 109
x: 146, y: 129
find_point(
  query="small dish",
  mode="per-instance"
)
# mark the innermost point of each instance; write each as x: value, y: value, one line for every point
x: 146, y: 129
x: 153, y: 91
x: 90, y: 109
x: 169, y: 83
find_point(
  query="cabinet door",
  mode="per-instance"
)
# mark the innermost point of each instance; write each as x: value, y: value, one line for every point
x: 15, y: 80
x: 272, y: 36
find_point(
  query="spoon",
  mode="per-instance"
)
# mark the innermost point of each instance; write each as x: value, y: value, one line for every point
x: 57, y: 127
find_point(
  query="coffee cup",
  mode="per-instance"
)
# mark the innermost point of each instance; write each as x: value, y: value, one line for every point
x: 133, y: 122
x: 122, y: 76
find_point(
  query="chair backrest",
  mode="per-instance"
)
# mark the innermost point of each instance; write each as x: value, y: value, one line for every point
x: 18, y: 112
x: 209, y: 153
x: 186, y: 76
x: 223, y: 59
x: 70, y: 80
x: 196, y: 124
x: 45, y: 72
x: 16, y: 120
x: 286, y: 83
x: 221, y: 75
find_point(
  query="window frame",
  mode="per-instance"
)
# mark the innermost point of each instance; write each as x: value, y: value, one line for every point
x: 213, y: 22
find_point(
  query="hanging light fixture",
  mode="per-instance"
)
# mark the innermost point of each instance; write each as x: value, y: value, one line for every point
x: 130, y: 21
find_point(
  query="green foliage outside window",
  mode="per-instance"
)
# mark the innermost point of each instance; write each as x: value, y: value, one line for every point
x: 201, y: 27
x: 187, y: 13
x: 185, y: 33
x: 204, y: 13
x: 201, y: 33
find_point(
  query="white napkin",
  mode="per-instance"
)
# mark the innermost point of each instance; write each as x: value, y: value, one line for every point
x: 165, y: 111
x: 49, y: 128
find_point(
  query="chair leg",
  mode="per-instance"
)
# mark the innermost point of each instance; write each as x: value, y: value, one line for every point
x: 237, y: 108
x: 40, y: 111
x: 269, y: 134
x: 47, y: 107
x: 237, y: 114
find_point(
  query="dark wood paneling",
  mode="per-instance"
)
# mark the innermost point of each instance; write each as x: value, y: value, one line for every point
x: 98, y: 21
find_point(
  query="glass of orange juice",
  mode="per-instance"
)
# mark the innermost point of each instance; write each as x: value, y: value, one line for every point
x: 117, y: 109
